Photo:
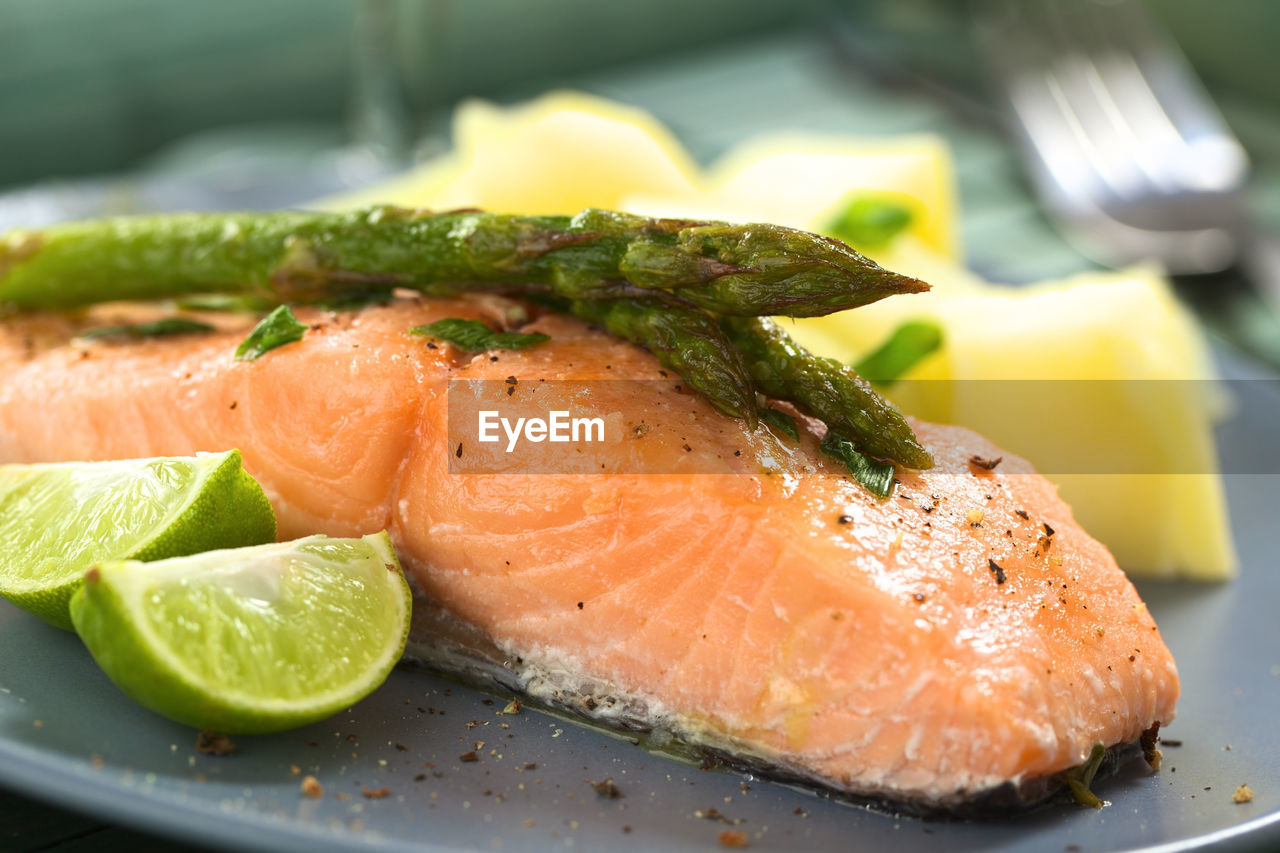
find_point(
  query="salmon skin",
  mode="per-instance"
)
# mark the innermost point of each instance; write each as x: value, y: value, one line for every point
x: 964, y: 641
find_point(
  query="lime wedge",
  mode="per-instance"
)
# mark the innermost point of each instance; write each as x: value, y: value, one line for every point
x: 249, y: 640
x: 56, y: 520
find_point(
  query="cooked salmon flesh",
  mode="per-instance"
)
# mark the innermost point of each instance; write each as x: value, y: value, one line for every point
x: 961, y: 637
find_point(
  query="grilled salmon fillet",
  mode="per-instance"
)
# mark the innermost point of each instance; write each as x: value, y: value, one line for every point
x: 963, y: 637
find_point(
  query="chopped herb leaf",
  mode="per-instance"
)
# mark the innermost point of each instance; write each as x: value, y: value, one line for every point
x: 870, y: 221
x: 1080, y: 778
x: 474, y: 336
x: 782, y: 422
x: 985, y: 464
x: 909, y: 344
x: 278, y: 328
x: 228, y: 302
x: 875, y: 474
x: 155, y: 329
x: 352, y: 301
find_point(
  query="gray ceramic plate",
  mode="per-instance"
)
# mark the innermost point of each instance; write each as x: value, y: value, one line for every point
x: 69, y: 737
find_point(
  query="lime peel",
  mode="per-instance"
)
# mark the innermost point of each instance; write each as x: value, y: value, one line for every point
x: 249, y: 640
x: 57, y: 519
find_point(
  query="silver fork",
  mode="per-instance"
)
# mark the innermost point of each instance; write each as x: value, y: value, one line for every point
x: 1126, y: 150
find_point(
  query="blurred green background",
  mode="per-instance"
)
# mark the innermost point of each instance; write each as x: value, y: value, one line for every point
x: 88, y: 86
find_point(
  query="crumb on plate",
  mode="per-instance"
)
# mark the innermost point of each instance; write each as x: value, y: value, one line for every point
x: 208, y: 743
x: 311, y: 787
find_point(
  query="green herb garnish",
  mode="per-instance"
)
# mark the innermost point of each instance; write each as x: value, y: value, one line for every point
x: 909, y: 344
x: 870, y: 221
x: 474, y: 336
x: 356, y: 301
x: 232, y: 303
x: 875, y: 474
x: 781, y: 421
x: 278, y: 328
x: 154, y: 329
x: 1080, y: 778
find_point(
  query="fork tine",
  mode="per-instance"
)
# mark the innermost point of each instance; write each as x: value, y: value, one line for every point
x: 1024, y: 49
x: 1172, y: 102
x: 1125, y: 149
x: 1116, y: 148
x: 1178, y: 138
